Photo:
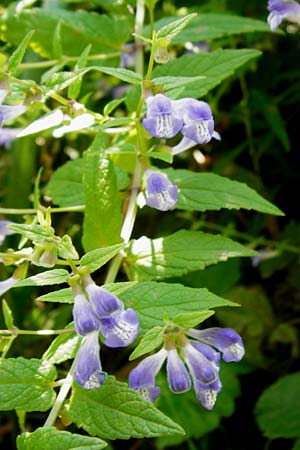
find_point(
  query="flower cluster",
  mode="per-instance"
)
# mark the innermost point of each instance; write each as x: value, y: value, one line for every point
x: 194, y: 360
x: 98, y: 311
x: 193, y: 118
x: 283, y: 10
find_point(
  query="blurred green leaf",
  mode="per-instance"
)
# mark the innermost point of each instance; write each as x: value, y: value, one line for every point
x: 278, y: 408
x: 51, y: 438
x: 62, y: 348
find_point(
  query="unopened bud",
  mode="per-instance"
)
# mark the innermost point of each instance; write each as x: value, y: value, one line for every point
x: 161, y: 55
x: 44, y: 255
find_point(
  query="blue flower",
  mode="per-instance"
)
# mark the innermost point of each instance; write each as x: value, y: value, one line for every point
x: 88, y: 366
x: 5, y: 285
x: 198, y: 125
x: 282, y: 9
x: 4, y: 231
x: 161, y: 194
x: 198, y: 356
x: 98, y: 311
x: 162, y: 119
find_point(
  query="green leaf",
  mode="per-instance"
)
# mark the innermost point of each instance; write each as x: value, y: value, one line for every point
x: 205, y: 71
x: 122, y: 74
x: 65, y: 185
x: 110, y: 106
x: 278, y: 408
x: 51, y: 438
x: 213, y: 26
x: 208, y: 191
x: 192, y: 319
x: 153, y: 301
x: 152, y: 339
x: 35, y: 233
x: 163, y: 156
x: 60, y: 296
x: 175, y: 27
x: 57, y: 47
x: 102, y: 216
x: 179, y: 253
x: 17, y: 56
x: 100, y: 256
x: 74, y: 88
x: 49, y: 277
x: 104, y: 33
x: 8, y: 316
x: 66, y: 249
x: 114, y: 411
x: 62, y: 348
x: 25, y: 384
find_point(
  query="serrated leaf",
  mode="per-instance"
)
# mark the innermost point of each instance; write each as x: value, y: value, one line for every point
x: 51, y: 438
x: 8, y: 316
x: 150, y: 341
x: 104, y: 33
x: 65, y: 185
x: 17, y: 56
x: 62, y: 348
x: 190, y: 320
x: 205, y: 71
x: 278, y: 408
x: 179, y: 253
x: 208, y: 191
x: 213, y: 26
x: 102, y: 216
x: 175, y: 27
x: 153, y: 301
x: 25, y: 384
x: 100, y: 256
x: 47, y: 278
x: 114, y: 411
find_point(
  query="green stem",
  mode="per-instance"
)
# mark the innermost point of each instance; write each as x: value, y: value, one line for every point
x: 66, y: 386
x: 17, y: 332
x: 65, y: 59
x: 78, y: 208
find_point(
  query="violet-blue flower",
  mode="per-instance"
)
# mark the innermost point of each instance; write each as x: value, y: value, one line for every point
x: 4, y: 230
x: 198, y: 120
x: 84, y: 316
x: 201, y: 357
x: 103, y: 302
x: 161, y: 194
x: 88, y: 372
x: 283, y: 10
x: 225, y: 340
x: 162, y: 119
x: 9, y: 112
x: 121, y: 329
